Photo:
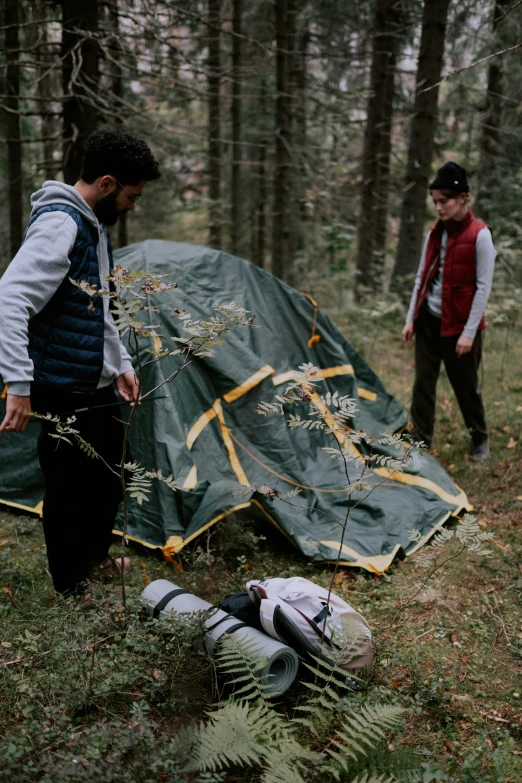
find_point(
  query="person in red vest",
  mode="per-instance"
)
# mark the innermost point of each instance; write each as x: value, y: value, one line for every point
x: 447, y: 306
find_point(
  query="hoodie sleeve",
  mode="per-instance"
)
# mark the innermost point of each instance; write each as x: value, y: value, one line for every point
x: 31, y: 279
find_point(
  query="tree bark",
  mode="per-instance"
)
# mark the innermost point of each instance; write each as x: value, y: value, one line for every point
x: 117, y: 93
x: 45, y: 91
x: 214, y: 122
x: 12, y: 108
x: 422, y: 133
x: 377, y: 148
x: 299, y: 91
x: 235, y: 185
x: 282, y: 251
x: 489, y: 174
x: 81, y: 81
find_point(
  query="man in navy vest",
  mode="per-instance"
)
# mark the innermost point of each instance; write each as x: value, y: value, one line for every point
x: 60, y: 349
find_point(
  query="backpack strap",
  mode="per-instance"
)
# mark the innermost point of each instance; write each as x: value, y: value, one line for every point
x: 267, y: 611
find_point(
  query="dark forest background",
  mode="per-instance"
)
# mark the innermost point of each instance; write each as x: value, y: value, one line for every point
x: 299, y: 135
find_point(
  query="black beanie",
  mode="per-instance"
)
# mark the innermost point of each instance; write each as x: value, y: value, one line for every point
x: 451, y: 177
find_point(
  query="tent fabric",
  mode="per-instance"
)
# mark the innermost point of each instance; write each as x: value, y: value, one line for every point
x: 206, y: 433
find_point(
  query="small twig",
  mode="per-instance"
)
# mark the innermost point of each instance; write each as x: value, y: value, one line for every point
x: 499, y: 618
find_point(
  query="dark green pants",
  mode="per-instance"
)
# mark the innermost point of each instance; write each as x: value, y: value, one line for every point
x: 430, y: 350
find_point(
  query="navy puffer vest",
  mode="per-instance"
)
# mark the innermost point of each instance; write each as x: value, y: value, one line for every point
x: 66, y: 337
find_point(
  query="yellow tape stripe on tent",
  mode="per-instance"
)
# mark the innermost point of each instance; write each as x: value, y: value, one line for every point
x: 329, y: 372
x: 419, y: 481
x: 199, y: 426
x: 255, y: 379
x: 376, y: 564
x: 38, y: 509
x: 232, y: 456
x: 192, y: 478
x: 459, y: 500
x: 366, y: 395
x: 245, y: 387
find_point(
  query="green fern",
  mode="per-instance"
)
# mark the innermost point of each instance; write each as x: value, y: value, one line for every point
x: 238, y: 734
x: 241, y: 664
x: 327, y: 693
x: 362, y: 732
x: 401, y: 764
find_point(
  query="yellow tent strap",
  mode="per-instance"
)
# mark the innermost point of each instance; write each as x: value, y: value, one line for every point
x: 315, y: 337
x: 4, y: 393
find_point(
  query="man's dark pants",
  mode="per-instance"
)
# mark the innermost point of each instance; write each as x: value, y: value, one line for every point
x: 430, y: 350
x: 81, y: 494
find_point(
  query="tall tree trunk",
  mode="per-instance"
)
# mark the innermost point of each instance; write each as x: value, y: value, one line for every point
x: 282, y: 251
x: 235, y: 192
x: 377, y: 147
x: 12, y: 108
x: 299, y: 91
x: 214, y: 122
x: 80, y: 78
x: 491, y: 125
x: 422, y: 133
x: 44, y: 89
x: 258, y: 256
x: 116, y: 67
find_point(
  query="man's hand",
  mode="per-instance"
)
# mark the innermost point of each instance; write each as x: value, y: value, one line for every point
x: 407, y: 334
x: 16, y: 414
x: 129, y: 388
x: 464, y: 345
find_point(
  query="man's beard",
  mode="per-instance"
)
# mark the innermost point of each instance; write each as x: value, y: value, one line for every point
x: 106, y: 210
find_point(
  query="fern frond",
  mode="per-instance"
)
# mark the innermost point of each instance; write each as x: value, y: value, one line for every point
x: 287, y: 761
x: 369, y: 778
x: 242, y: 664
x: 363, y: 730
x: 236, y: 735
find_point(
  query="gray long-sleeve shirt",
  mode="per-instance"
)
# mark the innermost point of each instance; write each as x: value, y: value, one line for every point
x: 486, y: 254
x: 36, y: 273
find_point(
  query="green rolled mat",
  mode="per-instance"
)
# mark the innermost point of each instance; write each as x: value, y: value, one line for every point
x: 164, y: 598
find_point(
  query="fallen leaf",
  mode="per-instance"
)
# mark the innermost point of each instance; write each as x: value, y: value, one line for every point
x: 156, y: 674
x: 449, y: 745
x: 4, y: 542
x: 505, y: 429
x: 145, y: 580
x: 512, y: 443
x: 496, y: 402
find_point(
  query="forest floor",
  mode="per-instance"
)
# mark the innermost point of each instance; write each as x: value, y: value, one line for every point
x: 89, y: 693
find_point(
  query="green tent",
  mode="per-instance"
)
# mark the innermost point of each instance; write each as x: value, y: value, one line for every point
x: 207, y: 434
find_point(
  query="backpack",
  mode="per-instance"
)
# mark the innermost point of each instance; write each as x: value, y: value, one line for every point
x: 297, y: 612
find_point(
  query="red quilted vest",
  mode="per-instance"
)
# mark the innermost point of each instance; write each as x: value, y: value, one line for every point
x: 459, y: 276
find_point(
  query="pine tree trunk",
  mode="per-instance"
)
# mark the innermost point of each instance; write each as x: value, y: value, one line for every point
x: 299, y: 89
x: 235, y: 192
x: 214, y: 122
x: 12, y: 104
x: 44, y: 89
x: 377, y: 148
x: 491, y: 126
x: 422, y: 133
x: 116, y: 66
x: 282, y: 252
x: 258, y: 256
x: 81, y: 81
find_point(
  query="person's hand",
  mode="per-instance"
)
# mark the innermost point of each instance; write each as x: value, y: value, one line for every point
x: 407, y: 334
x: 464, y: 345
x: 17, y: 412
x: 129, y: 387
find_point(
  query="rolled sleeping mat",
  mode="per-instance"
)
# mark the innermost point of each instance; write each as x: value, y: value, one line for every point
x: 165, y: 598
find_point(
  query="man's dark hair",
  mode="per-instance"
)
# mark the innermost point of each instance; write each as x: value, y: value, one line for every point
x: 122, y: 155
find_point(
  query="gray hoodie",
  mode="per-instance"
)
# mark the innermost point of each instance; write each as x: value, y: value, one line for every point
x: 35, y: 274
